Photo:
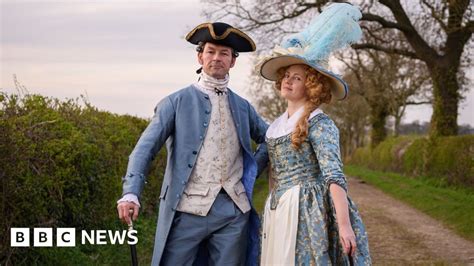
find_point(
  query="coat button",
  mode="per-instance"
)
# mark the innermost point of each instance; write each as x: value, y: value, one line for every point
x: 183, y: 182
x: 200, y: 137
x: 207, y: 112
x: 177, y: 196
x: 190, y: 165
x: 195, y: 152
x: 205, y: 124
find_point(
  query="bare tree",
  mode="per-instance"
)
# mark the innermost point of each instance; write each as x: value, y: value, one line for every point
x: 351, y: 117
x: 435, y: 32
x: 388, y: 83
x: 409, y: 86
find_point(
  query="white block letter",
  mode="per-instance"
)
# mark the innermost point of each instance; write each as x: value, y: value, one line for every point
x: 90, y: 238
x: 101, y: 237
x: 132, y: 237
x: 43, y: 237
x: 117, y: 236
x: 19, y: 237
x: 66, y: 237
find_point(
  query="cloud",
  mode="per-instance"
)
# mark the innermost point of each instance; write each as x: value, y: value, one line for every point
x: 131, y: 25
x: 127, y: 55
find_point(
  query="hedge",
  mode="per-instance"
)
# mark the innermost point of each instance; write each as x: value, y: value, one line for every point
x: 61, y: 164
x: 450, y: 159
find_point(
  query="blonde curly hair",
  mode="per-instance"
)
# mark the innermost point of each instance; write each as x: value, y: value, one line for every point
x: 318, y: 91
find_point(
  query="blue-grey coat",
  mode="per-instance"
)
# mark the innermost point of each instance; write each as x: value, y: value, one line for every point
x: 181, y: 121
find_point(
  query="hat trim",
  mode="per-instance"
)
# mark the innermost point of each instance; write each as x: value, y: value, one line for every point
x: 223, y: 35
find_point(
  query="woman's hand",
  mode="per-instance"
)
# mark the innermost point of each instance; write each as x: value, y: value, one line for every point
x: 346, y: 234
x: 348, y: 240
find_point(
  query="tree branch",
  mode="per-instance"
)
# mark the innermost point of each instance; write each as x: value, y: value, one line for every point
x: 435, y: 15
x: 469, y: 26
x: 418, y: 103
x: 422, y: 49
x: 457, y: 39
x: 388, y: 50
x: 385, y: 23
x: 372, y: 33
x: 258, y: 23
x: 456, y: 13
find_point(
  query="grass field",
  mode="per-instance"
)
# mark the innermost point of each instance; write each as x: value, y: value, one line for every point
x: 454, y: 206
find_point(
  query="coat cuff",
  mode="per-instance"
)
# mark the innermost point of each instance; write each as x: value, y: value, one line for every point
x: 133, y: 183
x: 129, y: 197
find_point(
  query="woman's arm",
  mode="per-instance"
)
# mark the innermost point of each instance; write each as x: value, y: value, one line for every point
x: 346, y: 234
x: 324, y: 137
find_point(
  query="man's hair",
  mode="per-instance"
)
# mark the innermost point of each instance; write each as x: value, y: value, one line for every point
x: 200, y: 49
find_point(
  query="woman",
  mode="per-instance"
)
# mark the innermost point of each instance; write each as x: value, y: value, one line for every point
x: 308, y: 217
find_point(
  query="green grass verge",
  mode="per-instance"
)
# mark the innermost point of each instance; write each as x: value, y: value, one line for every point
x: 260, y: 193
x: 454, y: 206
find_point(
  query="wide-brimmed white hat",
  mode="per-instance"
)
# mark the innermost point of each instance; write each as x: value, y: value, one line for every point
x: 336, y: 27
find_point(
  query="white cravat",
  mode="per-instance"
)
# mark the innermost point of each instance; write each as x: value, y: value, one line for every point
x: 212, y: 84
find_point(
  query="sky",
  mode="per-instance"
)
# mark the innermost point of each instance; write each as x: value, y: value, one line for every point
x: 125, y: 56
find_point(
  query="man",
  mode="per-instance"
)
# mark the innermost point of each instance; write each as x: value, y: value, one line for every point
x: 205, y: 212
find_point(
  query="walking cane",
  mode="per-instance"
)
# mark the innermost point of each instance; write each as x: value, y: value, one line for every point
x: 351, y: 259
x: 133, y: 248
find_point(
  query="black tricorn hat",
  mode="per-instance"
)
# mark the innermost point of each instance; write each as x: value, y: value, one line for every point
x: 222, y: 34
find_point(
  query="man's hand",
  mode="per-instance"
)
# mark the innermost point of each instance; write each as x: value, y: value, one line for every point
x: 124, y: 208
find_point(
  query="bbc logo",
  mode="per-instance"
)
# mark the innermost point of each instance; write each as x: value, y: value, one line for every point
x: 66, y: 237
x: 42, y: 237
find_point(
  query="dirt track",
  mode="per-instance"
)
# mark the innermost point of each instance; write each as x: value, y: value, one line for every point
x: 402, y: 235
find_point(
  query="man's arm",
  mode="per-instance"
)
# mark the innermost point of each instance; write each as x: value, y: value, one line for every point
x: 150, y: 142
x: 258, y: 129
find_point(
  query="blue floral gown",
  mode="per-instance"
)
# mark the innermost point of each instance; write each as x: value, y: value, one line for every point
x: 312, y: 168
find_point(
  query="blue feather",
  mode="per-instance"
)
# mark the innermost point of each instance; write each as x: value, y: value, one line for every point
x: 333, y: 29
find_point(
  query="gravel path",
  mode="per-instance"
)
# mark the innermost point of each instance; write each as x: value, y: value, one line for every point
x: 402, y: 235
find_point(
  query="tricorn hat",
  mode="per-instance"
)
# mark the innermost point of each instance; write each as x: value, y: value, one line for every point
x: 222, y: 34
x: 331, y: 30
